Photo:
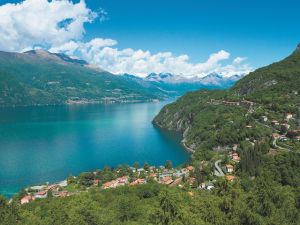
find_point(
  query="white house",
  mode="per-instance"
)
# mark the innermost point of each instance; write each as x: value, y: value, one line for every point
x: 229, y: 168
x: 289, y: 116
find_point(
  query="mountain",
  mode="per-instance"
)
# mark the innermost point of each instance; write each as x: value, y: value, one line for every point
x: 39, y: 77
x: 209, y: 119
x: 178, y: 85
x: 56, y: 57
x: 212, y: 80
x: 217, y: 80
x: 164, y: 77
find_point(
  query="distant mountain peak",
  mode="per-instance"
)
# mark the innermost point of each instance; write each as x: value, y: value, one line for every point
x: 40, y: 52
x: 58, y: 57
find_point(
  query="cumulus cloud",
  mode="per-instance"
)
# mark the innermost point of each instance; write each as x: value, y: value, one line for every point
x: 42, y: 23
x: 105, y: 54
x: 58, y: 26
x: 239, y: 60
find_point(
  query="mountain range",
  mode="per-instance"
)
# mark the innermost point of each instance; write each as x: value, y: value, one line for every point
x: 177, y: 85
x: 38, y: 77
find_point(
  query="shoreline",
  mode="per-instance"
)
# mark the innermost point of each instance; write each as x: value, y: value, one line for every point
x: 84, y: 103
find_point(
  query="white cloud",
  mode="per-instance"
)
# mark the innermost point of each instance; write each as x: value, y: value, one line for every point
x: 42, y: 22
x: 58, y: 25
x: 105, y: 54
x: 239, y: 60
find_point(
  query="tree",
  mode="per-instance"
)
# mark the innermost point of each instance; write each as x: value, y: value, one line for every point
x: 199, y: 174
x: 71, y: 179
x: 136, y: 165
x: 9, y: 213
x: 127, y: 208
x: 146, y: 166
x: 168, y: 164
x: 169, y: 208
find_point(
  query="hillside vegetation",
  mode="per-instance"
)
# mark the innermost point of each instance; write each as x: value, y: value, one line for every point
x: 210, y: 119
x: 43, y: 78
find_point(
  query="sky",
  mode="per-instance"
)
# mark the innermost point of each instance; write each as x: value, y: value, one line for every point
x: 187, y: 38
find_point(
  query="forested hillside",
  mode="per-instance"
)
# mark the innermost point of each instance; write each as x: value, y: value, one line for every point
x: 210, y: 119
x: 43, y: 78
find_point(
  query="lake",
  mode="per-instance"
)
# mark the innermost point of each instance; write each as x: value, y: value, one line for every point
x: 48, y: 143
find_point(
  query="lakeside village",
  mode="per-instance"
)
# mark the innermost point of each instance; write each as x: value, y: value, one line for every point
x: 201, y: 176
x: 183, y: 177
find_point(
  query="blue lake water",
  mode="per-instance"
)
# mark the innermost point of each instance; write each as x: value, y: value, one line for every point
x: 39, y: 144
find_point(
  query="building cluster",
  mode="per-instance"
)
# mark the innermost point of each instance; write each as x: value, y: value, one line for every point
x: 172, y: 177
x: 42, y: 191
x: 229, y: 168
x: 285, y: 128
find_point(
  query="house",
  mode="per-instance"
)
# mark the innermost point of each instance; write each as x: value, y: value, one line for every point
x: 235, y: 157
x: 166, y: 180
x: 248, y: 126
x: 235, y: 146
x: 176, y: 182
x: 275, y: 136
x: 152, y: 168
x: 110, y: 184
x: 41, y: 194
x: 132, y: 169
x: 38, y: 188
x: 289, y: 116
x: 153, y: 176
x: 96, y: 182
x: 190, y: 168
x: 229, y: 168
x: 264, y: 119
x: 26, y: 199
x: 122, y: 180
x: 297, y: 138
x: 63, y: 194
x: 137, y: 182
x: 230, y: 178
x: 209, y: 187
x: 140, y: 170
x: 191, y: 180
x: 202, y: 186
x: 52, y: 187
x: 275, y: 123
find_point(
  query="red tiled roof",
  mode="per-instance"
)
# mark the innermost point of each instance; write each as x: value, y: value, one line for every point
x: 190, y: 168
x: 230, y: 177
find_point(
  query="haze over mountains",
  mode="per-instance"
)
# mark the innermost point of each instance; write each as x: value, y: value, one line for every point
x: 38, y: 77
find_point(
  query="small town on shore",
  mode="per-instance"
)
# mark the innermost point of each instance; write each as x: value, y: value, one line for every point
x: 186, y: 176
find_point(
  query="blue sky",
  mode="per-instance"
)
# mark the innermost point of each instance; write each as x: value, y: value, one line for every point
x: 263, y: 31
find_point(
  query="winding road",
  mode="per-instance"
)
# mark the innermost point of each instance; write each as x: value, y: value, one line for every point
x: 218, y: 171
